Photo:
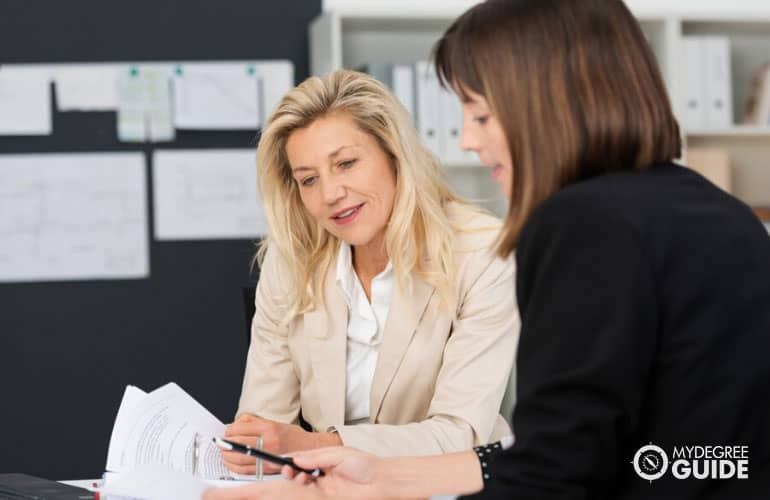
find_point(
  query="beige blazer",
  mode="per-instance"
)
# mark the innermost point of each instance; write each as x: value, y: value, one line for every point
x: 439, y: 379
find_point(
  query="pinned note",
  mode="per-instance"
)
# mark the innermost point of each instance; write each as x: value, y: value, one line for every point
x: 144, y: 105
x: 25, y: 101
x: 86, y: 87
x: 73, y: 217
x: 216, y: 96
x: 206, y: 194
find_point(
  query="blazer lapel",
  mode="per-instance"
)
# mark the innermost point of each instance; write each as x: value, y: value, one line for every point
x: 329, y: 324
x: 404, y: 315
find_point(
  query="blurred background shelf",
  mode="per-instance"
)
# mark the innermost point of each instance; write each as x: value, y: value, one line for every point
x: 350, y: 35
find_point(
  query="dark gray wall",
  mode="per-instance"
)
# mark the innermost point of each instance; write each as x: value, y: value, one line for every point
x: 68, y: 349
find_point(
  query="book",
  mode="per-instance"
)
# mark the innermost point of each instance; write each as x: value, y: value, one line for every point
x: 757, y: 110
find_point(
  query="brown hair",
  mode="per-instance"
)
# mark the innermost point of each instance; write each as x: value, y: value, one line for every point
x: 574, y: 85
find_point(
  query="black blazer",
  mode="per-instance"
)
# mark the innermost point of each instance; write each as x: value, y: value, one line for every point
x: 645, y: 306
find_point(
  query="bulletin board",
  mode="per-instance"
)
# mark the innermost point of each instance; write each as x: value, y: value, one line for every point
x: 69, y: 348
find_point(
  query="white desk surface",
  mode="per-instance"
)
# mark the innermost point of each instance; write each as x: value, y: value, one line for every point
x: 88, y: 484
x: 82, y: 483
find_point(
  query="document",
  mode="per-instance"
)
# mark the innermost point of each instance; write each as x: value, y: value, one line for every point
x: 206, y: 194
x: 153, y: 446
x: 73, y: 217
x: 157, y: 482
x: 276, y: 78
x: 86, y: 87
x: 216, y: 96
x: 25, y: 101
x: 161, y: 448
x: 165, y: 427
x: 144, y: 105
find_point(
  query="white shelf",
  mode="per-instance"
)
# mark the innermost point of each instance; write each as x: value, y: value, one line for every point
x: 351, y: 33
x: 737, y: 131
x: 459, y: 165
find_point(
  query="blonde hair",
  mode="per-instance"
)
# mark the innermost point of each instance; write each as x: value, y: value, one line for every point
x: 419, y: 234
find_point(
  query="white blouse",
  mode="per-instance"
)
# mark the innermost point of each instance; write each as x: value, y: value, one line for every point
x: 366, y: 322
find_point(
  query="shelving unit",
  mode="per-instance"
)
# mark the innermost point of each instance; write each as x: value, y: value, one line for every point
x: 352, y: 37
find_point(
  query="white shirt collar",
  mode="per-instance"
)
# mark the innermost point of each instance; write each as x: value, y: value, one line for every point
x: 345, y: 274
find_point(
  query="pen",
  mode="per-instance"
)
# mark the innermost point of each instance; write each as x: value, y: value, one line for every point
x: 229, y: 445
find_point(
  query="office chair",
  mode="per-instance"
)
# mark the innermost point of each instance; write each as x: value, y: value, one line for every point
x: 247, y: 295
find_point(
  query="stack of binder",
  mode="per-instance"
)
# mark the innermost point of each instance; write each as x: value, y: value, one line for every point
x: 706, y: 83
x: 437, y: 111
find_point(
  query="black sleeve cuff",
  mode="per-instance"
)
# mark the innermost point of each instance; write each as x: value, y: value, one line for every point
x: 486, y: 453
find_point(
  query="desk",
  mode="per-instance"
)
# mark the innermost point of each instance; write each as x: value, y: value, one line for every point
x: 88, y: 484
x: 82, y: 483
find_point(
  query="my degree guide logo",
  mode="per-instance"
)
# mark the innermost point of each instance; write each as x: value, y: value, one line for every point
x: 651, y: 462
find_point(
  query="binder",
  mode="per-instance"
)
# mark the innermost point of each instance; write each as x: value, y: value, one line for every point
x: 399, y: 78
x: 276, y: 78
x: 428, y: 106
x: 693, y: 84
x: 403, y: 85
x: 450, y: 126
x: 718, y: 80
x: 383, y: 72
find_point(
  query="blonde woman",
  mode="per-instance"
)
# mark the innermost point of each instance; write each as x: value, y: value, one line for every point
x: 383, y: 316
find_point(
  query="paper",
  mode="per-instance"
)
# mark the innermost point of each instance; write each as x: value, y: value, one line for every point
x: 158, y: 482
x: 277, y: 78
x: 216, y: 96
x: 161, y: 448
x: 25, y: 101
x: 206, y: 194
x: 161, y: 428
x: 73, y: 216
x: 86, y: 87
x: 154, y: 483
x: 144, y: 105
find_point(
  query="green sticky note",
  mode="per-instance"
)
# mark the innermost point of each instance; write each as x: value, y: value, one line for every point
x: 134, y: 71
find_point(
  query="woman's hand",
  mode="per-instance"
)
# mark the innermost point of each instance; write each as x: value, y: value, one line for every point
x: 349, y: 474
x: 277, y: 438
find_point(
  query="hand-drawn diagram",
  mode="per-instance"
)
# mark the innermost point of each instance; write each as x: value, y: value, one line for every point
x: 73, y: 216
x: 206, y: 194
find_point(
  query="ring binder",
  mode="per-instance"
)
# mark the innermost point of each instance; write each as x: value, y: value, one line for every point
x: 196, y: 453
x: 260, y: 472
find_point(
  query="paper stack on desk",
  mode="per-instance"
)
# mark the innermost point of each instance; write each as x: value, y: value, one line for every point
x: 165, y: 427
x: 161, y: 447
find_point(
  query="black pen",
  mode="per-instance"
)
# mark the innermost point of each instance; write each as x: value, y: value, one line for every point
x: 246, y: 450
